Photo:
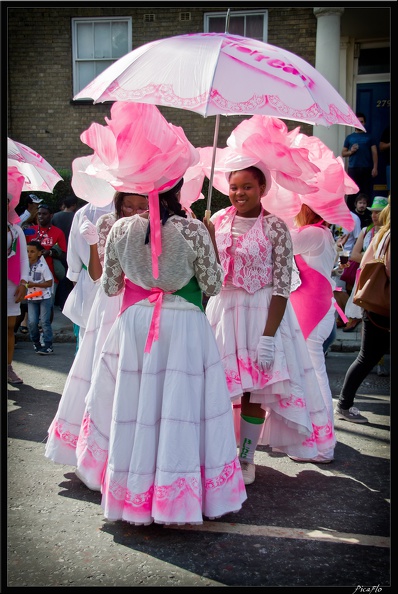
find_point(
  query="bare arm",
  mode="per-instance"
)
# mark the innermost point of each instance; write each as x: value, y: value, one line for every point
x: 356, y: 253
x: 276, y: 312
x: 384, y: 146
x: 94, y: 264
x: 375, y: 159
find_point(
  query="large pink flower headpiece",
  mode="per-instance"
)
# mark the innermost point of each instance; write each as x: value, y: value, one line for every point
x: 138, y: 151
x: 298, y: 169
x: 15, y: 182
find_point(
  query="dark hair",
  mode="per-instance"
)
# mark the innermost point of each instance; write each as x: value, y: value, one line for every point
x: 69, y: 201
x: 118, y: 201
x: 258, y: 174
x: 361, y: 196
x: 168, y: 202
x: 36, y: 244
x: 359, y: 114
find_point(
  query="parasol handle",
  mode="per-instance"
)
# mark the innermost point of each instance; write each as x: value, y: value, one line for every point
x: 227, y: 21
x: 213, y: 160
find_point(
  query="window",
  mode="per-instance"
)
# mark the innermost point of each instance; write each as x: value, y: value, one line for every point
x: 374, y: 60
x: 97, y: 43
x: 253, y: 24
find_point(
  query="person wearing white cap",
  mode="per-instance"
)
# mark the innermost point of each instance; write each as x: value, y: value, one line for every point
x: 29, y: 216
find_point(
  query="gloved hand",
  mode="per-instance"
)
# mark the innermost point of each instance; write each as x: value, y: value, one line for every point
x: 89, y: 231
x: 265, y: 353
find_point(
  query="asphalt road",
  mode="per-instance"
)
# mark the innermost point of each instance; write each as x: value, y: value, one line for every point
x: 303, y: 525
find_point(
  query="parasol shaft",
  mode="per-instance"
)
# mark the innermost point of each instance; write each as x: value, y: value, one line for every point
x: 208, y: 211
x: 213, y: 160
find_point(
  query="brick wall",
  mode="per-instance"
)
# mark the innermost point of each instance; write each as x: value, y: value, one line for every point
x: 41, y: 112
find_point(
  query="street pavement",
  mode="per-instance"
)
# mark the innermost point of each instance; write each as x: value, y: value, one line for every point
x: 303, y: 525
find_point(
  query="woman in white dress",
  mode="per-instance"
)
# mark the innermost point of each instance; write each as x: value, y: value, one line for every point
x: 158, y: 436
x: 315, y: 252
x: 17, y: 278
x: 64, y: 430
x: 266, y: 361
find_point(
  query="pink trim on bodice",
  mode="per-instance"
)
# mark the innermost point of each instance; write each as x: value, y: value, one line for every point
x: 251, y: 267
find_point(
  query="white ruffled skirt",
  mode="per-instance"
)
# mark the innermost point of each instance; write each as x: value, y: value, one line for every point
x: 64, y: 430
x: 158, y: 435
x: 297, y: 419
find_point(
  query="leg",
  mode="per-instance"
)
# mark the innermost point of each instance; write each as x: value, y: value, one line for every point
x: 12, y: 377
x: 374, y: 344
x: 45, y: 315
x: 330, y: 339
x: 251, y: 424
x: 33, y: 323
x: 10, y: 338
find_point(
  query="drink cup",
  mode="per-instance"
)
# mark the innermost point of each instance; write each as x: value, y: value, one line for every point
x: 344, y: 257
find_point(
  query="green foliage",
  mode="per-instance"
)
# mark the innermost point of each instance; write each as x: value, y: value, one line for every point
x: 218, y: 201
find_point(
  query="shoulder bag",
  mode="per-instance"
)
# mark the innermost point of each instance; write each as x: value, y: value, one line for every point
x: 373, y: 288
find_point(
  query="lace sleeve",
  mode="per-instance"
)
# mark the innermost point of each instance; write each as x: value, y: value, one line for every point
x: 112, y: 279
x: 104, y: 225
x: 282, y: 255
x: 208, y: 272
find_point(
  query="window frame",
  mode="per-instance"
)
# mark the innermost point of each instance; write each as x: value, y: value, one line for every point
x: 91, y: 20
x: 208, y: 15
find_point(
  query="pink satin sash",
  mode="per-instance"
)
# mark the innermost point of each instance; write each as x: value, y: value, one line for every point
x: 154, y: 222
x: 134, y: 293
x: 312, y: 300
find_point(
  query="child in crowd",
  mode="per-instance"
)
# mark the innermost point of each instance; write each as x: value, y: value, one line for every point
x: 40, y: 280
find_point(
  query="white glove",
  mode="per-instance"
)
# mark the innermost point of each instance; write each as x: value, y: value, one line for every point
x: 89, y: 231
x: 265, y: 353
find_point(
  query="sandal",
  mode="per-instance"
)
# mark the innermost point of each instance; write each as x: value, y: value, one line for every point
x: 351, y: 324
x: 23, y: 329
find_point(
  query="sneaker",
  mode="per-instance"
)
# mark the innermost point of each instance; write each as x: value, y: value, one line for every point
x: 12, y: 377
x: 248, y: 472
x: 36, y: 346
x: 45, y: 351
x: 382, y: 371
x: 42, y: 339
x: 352, y: 414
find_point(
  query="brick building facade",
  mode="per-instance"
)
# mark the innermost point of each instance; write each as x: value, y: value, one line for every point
x: 43, y: 115
x: 41, y: 110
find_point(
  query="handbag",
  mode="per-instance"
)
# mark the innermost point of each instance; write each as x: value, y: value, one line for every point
x: 348, y: 275
x: 373, y: 288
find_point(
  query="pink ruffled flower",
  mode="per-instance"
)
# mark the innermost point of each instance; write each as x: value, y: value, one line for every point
x: 298, y: 169
x: 138, y: 150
